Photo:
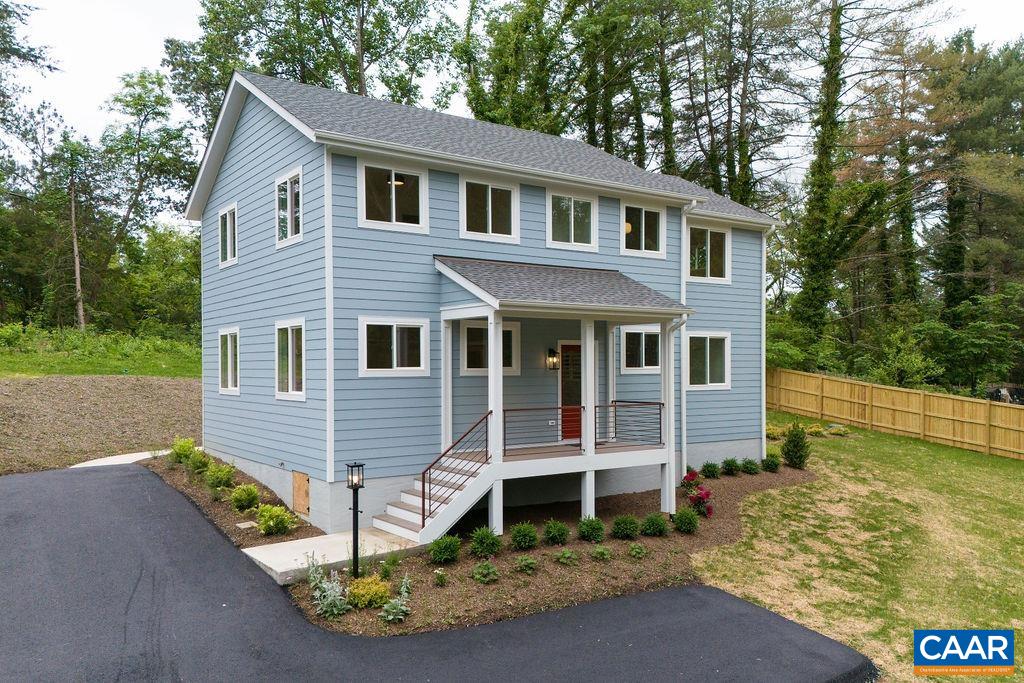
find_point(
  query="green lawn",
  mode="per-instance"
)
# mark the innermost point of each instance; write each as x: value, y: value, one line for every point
x: 895, y: 534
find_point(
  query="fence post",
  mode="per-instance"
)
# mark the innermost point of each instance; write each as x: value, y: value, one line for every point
x: 923, y: 432
x: 871, y: 406
x: 821, y: 396
x: 988, y: 427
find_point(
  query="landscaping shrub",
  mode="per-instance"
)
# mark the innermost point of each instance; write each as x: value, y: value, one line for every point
x: 485, y: 572
x: 590, y: 529
x: 272, y: 520
x: 654, y: 524
x: 771, y: 463
x: 397, y: 609
x: 555, y: 532
x: 690, y: 481
x: 710, y: 470
x: 329, y: 598
x: 368, y: 591
x: 838, y: 430
x: 440, y: 578
x: 626, y: 527
x: 730, y: 467
x: 445, y: 550
x: 388, y: 566
x: 522, y: 536
x: 569, y: 558
x: 750, y: 466
x: 245, y: 497
x: 775, y: 432
x: 601, y: 553
x: 686, y: 520
x: 220, y: 476
x: 484, y: 543
x: 795, y: 449
x: 181, y: 449
x: 637, y: 551
x: 815, y: 429
x: 700, y: 501
x: 198, y: 461
x: 525, y: 565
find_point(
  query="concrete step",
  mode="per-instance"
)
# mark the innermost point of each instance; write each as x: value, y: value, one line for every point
x: 412, y: 512
x: 397, y: 526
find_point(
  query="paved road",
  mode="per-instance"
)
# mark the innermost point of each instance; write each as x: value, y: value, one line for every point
x: 108, y: 573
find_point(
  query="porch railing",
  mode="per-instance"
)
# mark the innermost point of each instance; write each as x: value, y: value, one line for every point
x: 459, y: 463
x: 629, y: 423
x: 548, y: 428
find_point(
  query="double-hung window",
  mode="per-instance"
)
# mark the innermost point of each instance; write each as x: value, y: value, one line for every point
x: 571, y: 222
x: 709, y: 254
x: 709, y: 360
x: 228, y: 338
x: 291, y: 359
x: 392, y: 198
x: 643, y: 231
x: 394, y: 347
x: 228, y: 235
x: 288, y: 207
x: 473, y: 348
x: 641, y: 349
x: 488, y: 211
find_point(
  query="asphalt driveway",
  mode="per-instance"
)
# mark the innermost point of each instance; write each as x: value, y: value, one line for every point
x: 108, y: 573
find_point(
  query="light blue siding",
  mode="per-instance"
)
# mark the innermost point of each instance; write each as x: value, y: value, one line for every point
x: 267, y: 284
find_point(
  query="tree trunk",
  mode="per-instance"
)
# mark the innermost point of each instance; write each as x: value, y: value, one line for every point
x: 79, y: 306
x: 639, y: 132
x: 669, y: 164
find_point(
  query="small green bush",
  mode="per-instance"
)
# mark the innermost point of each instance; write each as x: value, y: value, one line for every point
x: 485, y: 572
x: 220, y: 476
x: 816, y: 429
x: 771, y: 463
x: 654, y: 524
x: 440, y: 578
x: 710, y: 470
x: 569, y: 558
x: 395, y: 611
x: 838, y: 430
x: 750, y: 466
x: 625, y: 527
x: 272, y: 520
x: 484, y: 543
x: 445, y: 550
x: 245, y: 497
x: 555, y: 532
x: 388, y: 566
x: 730, y: 467
x: 775, y: 432
x: 686, y: 520
x: 522, y: 536
x: 329, y: 599
x: 795, y: 449
x: 198, y: 462
x: 590, y: 529
x: 637, y: 551
x: 181, y: 449
x: 601, y: 553
x: 368, y: 591
x: 525, y: 565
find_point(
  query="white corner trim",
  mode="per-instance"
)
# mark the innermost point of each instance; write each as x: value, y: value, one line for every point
x: 473, y: 289
x: 654, y: 329
x: 711, y: 334
x: 552, y: 191
x: 290, y: 395
x: 495, y: 183
x: 517, y: 349
x: 662, y: 230
x: 727, y: 280
x: 399, y: 166
x: 764, y: 350
x: 422, y: 371
x: 329, y: 310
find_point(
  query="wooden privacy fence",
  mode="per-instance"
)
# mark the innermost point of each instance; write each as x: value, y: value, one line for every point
x: 970, y: 423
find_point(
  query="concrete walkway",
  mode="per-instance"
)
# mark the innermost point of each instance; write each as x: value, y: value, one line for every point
x: 124, y: 459
x: 111, y: 574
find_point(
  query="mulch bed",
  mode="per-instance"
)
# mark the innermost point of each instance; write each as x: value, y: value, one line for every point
x: 464, y: 602
x: 220, y: 512
x: 56, y: 421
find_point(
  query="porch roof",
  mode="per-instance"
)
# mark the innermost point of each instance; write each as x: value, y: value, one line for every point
x: 508, y: 285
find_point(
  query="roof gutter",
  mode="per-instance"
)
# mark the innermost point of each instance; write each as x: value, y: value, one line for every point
x: 505, y: 304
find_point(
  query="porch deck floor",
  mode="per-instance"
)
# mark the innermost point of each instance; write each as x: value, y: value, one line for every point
x: 563, y: 450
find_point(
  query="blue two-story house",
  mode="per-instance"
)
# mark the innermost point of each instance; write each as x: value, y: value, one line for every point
x: 476, y: 312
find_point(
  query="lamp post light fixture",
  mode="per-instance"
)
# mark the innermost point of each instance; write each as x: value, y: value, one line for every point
x: 552, y: 361
x: 355, y: 482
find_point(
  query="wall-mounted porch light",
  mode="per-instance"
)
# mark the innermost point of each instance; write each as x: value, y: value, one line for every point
x: 553, y: 361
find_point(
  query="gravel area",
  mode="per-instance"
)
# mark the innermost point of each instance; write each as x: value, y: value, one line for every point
x: 56, y: 421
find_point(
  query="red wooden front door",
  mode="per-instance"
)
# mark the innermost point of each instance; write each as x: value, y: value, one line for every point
x: 572, y: 390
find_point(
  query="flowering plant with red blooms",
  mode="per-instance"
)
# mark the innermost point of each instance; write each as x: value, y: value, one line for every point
x: 699, y: 501
x: 690, y: 481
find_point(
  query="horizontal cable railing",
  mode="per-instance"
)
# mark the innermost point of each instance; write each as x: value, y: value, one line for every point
x: 549, y: 429
x: 629, y: 423
x: 459, y: 463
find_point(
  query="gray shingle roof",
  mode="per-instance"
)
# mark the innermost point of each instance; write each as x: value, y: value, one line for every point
x: 329, y: 111
x: 559, y: 285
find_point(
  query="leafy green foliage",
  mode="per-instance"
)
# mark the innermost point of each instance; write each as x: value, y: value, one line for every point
x: 569, y: 558
x: 388, y: 566
x: 556, y: 532
x: 220, y: 476
x: 601, y: 553
x: 522, y: 536
x: 440, y: 578
x: 397, y: 609
x: 273, y: 520
x: 710, y: 470
x: 750, y: 466
x: 245, y: 497
x: 328, y: 593
x: 771, y: 462
x: 796, y: 449
x: 198, y: 462
x: 484, y: 543
x: 590, y: 529
x: 730, y: 467
x: 625, y: 527
x: 637, y: 551
x: 686, y: 520
x: 654, y: 524
x: 525, y: 565
x: 181, y: 450
x: 368, y: 591
x: 485, y: 572
x: 445, y: 549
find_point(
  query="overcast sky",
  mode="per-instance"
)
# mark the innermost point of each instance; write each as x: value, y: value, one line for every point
x: 95, y: 42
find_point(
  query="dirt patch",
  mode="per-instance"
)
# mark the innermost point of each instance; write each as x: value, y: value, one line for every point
x: 220, y: 512
x: 57, y: 421
x: 464, y: 602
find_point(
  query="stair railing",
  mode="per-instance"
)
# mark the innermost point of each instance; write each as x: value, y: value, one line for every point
x: 470, y: 450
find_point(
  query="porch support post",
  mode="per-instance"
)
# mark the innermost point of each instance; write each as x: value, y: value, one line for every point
x: 496, y: 439
x: 496, y: 508
x: 446, y: 384
x: 668, y: 422
x: 610, y: 382
x: 588, y: 421
x: 589, y: 506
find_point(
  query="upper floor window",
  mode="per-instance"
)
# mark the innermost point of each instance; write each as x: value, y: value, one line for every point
x: 290, y: 359
x: 392, y: 198
x: 641, y: 345
x: 228, y: 360
x: 709, y: 254
x: 288, y: 202
x: 473, y: 348
x: 394, y: 347
x: 643, y: 231
x: 228, y: 234
x: 571, y: 222
x: 709, y: 360
x: 488, y: 211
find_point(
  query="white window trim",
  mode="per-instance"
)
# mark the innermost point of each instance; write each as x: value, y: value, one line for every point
x: 422, y: 323
x: 290, y: 395
x: 646, y: 253
x: 647, y: 369
x: 594, y: 220
x: 395, y: 166
x: 230, y: 208
x: 235, y: 390
x: 511, y: 326
x: 466, y: 234
x: 292, y: 239
x: 728, y: 256
x: 728, y: 360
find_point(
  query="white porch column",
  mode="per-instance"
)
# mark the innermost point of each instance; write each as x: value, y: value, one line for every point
x: 495, y: 403
x: 588, y: 504
x: 588, y: 375
x: 496, y: 507
x: 610, y: 382
x: 446, y: 384
x: 668, y: 423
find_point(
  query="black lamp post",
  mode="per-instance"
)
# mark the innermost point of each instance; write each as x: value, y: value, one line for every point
x: 355, y: 482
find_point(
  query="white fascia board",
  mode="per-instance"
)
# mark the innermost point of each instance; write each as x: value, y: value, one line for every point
x: 473, y: 289
x: 735, y: 221
x: 594, y: 310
